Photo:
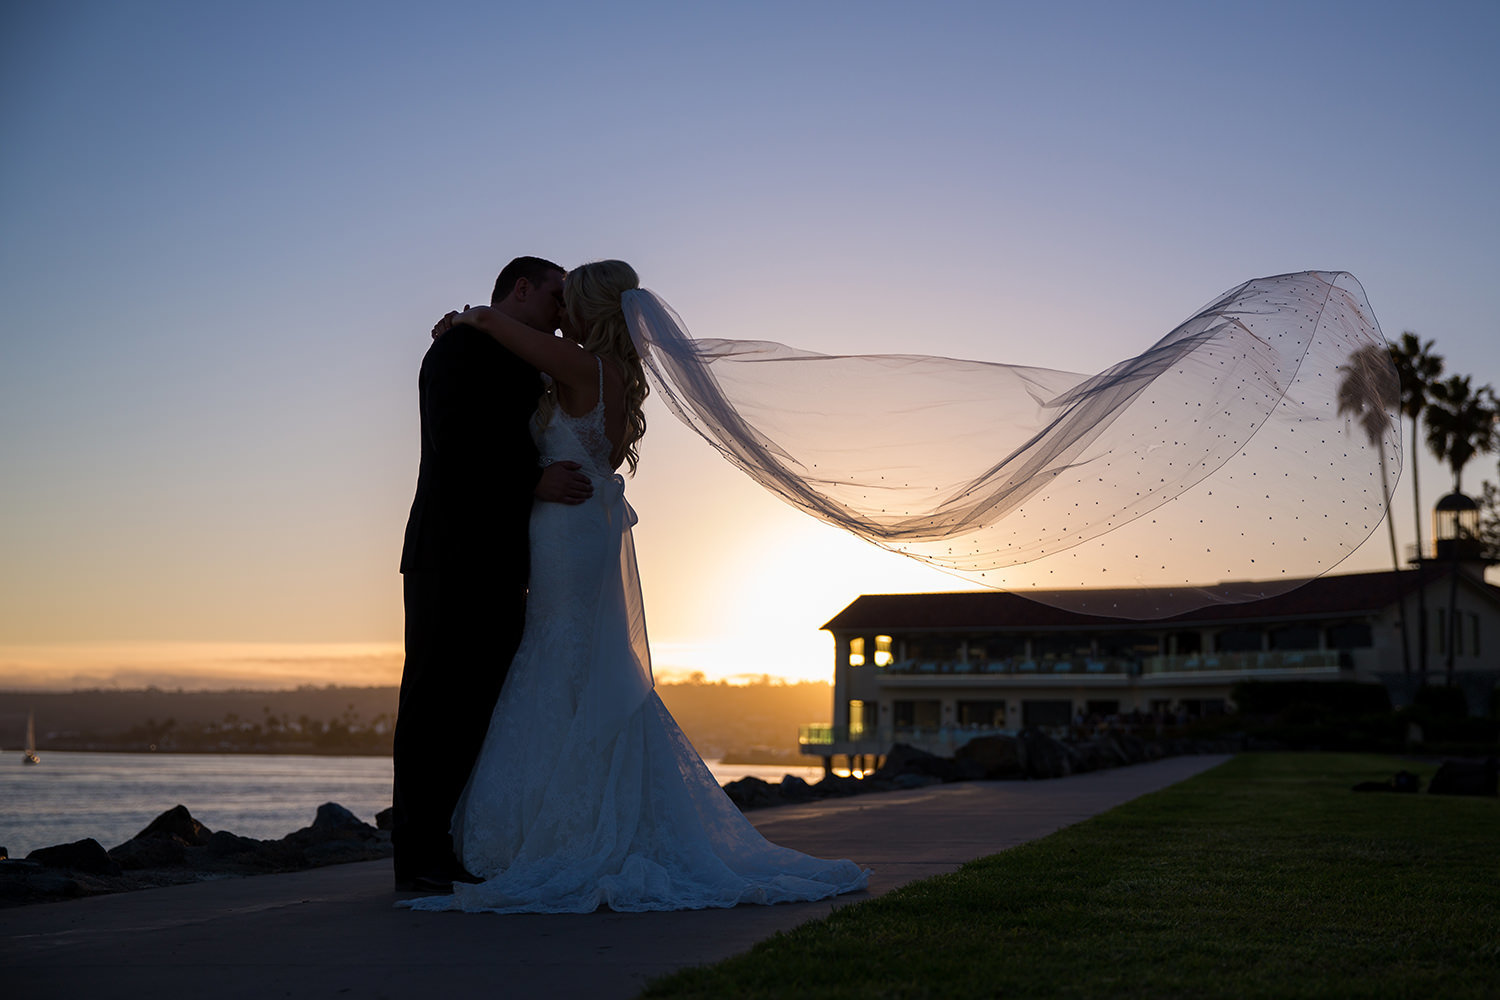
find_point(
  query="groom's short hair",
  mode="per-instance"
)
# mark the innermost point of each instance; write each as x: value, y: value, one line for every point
x: 533, y: 269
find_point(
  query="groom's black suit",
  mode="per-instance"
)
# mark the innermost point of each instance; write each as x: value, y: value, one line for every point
x: 465, y: 564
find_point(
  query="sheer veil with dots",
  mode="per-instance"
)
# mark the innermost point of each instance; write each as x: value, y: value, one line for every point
x: 1250, y: 449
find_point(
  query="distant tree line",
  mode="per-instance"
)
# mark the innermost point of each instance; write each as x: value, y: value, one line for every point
x: 345, y: 734
x: 754, y: 722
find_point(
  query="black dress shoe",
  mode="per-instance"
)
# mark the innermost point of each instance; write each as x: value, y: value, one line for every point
x: 440, y: 881
x: 433, y: 884
x: 464, y: 875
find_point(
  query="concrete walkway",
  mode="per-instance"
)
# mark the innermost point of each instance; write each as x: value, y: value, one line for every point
x: 333, y: 932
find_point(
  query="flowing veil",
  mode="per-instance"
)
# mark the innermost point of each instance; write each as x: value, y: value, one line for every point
x: 1250, y: 449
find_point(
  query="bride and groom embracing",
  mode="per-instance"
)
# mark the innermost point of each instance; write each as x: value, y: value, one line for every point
x: 535, y: 768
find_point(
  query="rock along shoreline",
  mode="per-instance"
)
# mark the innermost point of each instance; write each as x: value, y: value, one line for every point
x: 175, y: 848
x: 1028, y: 755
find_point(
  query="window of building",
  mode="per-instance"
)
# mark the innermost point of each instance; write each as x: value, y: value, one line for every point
x: 984, y: 714
x: 1239, y: 640
x: 1298, y: 637
x: 1187, y: 643
x: 883, y: 656
x: 1128, y: 645
x: 933, y: 649
x: 1350, y: 635
x: 916, y: 714
x: 1102, y: 707
x: 857, y: 652
x: 861, y: 718
x: 1000, y: 647
x: 1040, y: 712
x: 1061, y: 647
x: 996, y: 653
x: 1474, y: 631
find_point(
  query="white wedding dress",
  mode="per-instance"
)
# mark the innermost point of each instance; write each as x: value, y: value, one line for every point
x: 586, y: 793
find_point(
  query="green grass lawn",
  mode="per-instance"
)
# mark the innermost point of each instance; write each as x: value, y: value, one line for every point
x: 1265, y: 877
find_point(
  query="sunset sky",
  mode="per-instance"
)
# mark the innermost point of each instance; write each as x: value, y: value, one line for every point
x: 225, y: 231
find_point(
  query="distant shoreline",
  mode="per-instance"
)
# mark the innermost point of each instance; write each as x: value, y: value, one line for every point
x: 728, y: 760
x: 750, y: 724
x: 206, y: 751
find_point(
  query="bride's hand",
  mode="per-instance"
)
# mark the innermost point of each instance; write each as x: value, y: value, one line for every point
x: 448, y: 321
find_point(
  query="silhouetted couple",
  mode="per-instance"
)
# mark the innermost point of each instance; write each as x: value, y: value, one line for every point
x: 536, y: 769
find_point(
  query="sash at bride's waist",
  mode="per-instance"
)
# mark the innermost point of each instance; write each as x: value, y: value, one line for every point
x: 609, y: 489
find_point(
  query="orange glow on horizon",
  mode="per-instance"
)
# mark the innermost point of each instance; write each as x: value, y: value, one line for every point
x: 264, y: 666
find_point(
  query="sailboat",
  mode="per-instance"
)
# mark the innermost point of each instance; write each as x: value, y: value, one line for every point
x: 30, y: 756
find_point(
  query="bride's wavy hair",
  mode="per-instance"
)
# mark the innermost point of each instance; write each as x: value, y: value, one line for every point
x: 591, y: 298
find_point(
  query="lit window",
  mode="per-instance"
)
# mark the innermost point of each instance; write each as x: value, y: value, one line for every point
x: 856, y: 719
x: 857, y: 652
x: 883, y: 656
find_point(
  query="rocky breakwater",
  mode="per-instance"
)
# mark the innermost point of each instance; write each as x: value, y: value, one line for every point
x: 175, y: 848
x: 1028, y: 755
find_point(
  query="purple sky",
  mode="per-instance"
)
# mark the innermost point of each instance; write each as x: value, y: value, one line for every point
x: 225, y: 233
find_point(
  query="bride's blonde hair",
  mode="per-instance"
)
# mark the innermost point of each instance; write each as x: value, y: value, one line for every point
x: 591, y: 297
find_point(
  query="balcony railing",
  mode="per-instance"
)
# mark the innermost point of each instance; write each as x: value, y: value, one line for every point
x: 822, y: 735
x: 1259, y: 660
x: 1017, y: 665
x: 1120, y: 666
x: 879, y: 739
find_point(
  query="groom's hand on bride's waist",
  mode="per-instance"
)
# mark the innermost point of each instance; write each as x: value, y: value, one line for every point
x: 563, y: 482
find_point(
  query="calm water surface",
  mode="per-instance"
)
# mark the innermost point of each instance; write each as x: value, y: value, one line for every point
x: 112, y: 796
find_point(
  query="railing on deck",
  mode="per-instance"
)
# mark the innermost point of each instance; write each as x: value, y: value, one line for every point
x: 1075, y: 665
x: 941, y: 740
x: 1120, y: 666
x: 1261, y: 660
x: 822, y: 735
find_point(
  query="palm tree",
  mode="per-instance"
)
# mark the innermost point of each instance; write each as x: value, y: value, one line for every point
x: 1489, y: 520
x: 1418, y: 369
x: 1461, y: 423
x: 1370, y: 394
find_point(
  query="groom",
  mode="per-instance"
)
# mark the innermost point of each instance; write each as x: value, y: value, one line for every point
x: 465, y: 563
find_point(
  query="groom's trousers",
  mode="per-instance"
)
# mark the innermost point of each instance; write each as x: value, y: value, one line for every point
x: 461, y: 632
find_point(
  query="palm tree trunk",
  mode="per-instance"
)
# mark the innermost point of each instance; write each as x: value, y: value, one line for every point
x: 1453, y: 595
x: 1416, y: 496
x: 1453, y: 632
x: 1390, y: 526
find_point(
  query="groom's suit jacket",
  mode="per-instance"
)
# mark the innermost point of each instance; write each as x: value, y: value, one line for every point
x: 472, y: 508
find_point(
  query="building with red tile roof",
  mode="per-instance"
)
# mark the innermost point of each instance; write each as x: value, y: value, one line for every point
x: 934, y: 669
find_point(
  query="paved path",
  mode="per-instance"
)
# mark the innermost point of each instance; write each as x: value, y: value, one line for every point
x: 333, y: 932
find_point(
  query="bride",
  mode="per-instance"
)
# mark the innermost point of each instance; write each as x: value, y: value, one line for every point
x: 586, y: 792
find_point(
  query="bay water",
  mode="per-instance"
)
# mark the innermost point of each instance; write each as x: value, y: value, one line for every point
x: 112, y: 796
